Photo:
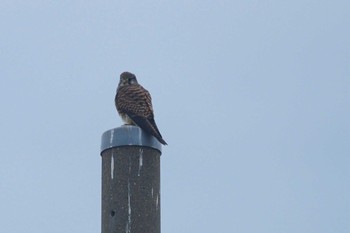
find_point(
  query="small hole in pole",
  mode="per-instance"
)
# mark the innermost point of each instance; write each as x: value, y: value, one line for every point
x: 112, y: 213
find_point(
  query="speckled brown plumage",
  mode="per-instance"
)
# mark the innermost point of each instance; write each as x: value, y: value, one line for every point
x: 134, y: 105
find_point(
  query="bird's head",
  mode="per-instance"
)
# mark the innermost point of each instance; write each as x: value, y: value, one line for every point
x: 127, y: 78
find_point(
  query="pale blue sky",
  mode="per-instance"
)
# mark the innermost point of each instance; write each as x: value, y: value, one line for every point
x: 251, y: 96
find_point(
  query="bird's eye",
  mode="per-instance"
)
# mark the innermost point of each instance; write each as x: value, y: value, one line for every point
x: 132, y: 80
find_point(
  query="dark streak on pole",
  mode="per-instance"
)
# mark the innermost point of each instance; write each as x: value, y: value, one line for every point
x: 130, y: 181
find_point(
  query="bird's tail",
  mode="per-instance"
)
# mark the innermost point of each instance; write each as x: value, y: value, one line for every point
x: 149, y: 126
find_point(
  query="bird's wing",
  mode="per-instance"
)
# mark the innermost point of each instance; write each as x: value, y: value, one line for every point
x: 134, y: 100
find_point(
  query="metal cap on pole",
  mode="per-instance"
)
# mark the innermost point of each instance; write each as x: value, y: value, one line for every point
x: 130, y: 181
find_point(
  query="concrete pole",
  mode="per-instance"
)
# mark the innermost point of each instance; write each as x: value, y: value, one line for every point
x: 130, y: 181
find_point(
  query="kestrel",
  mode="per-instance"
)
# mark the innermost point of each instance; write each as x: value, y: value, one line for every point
x: 134, y: 105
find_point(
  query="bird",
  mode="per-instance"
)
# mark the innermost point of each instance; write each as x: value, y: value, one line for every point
x: 134, y: 105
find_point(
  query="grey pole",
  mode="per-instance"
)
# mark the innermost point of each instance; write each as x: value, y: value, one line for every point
x: 130, y: 181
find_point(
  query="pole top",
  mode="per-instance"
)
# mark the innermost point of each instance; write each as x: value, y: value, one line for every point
x: 128, y: 135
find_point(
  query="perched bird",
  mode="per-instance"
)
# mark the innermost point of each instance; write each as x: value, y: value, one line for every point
x: 134, y: 105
